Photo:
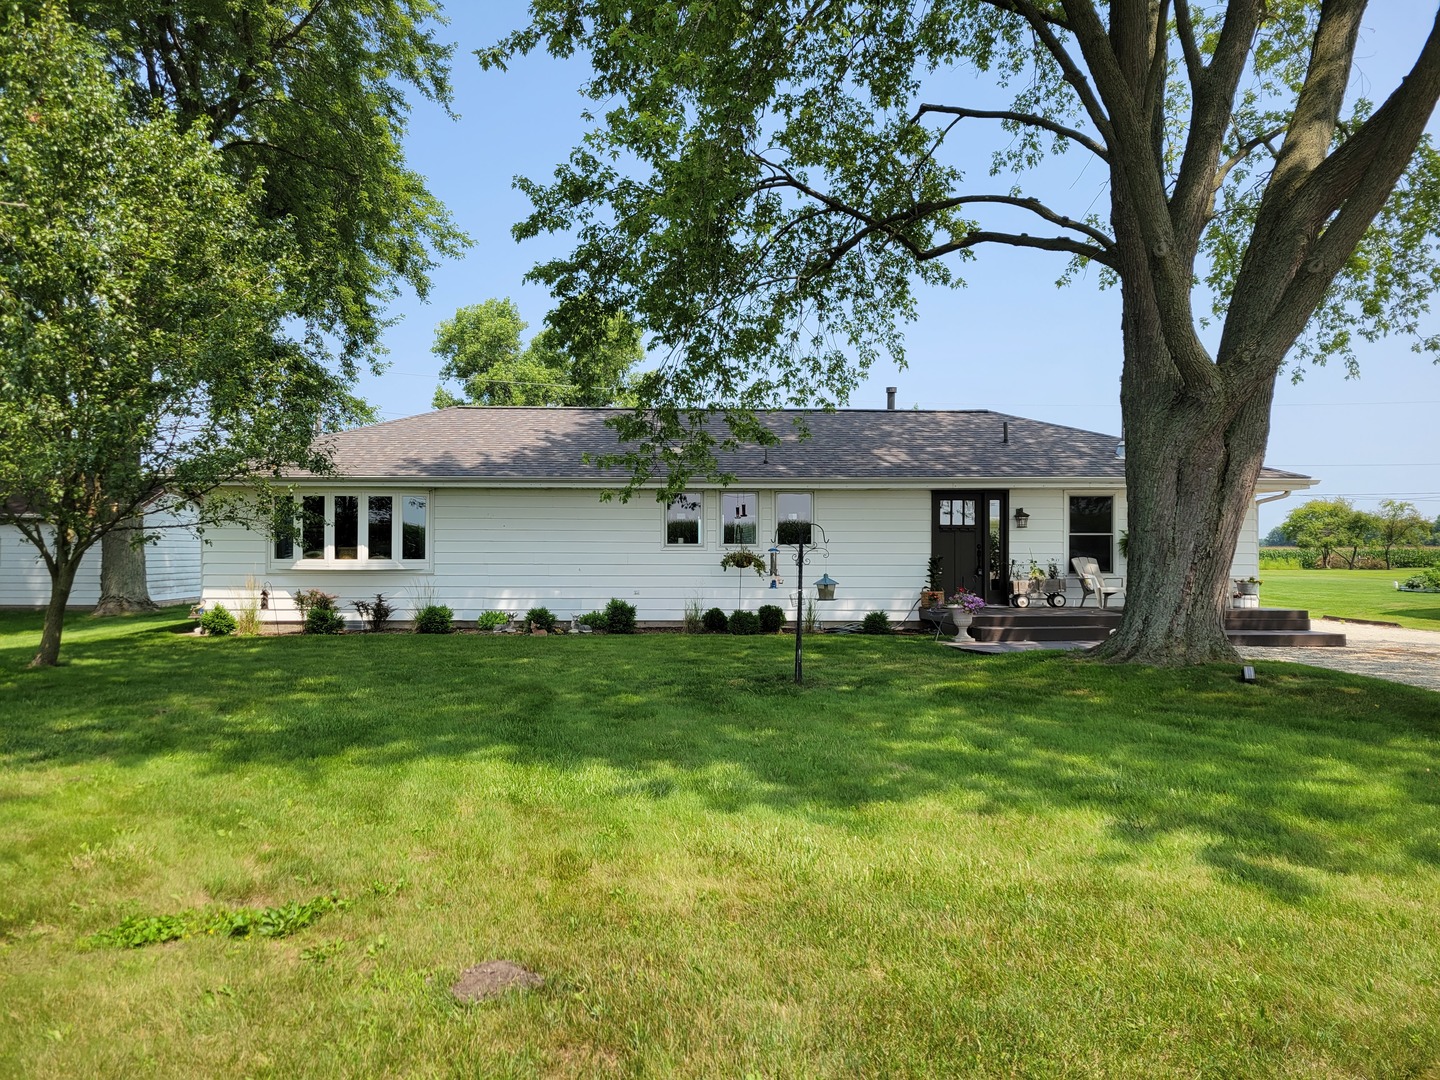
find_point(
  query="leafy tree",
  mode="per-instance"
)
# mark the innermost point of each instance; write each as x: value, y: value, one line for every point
x: 1324, y: 525
x: 310, y: 99
x: 482, y: 352
x: 1435, y: 532
x: 141, y: 347
x: 765, y: 180
x: 1276, y: 538
x: 1398, y: 524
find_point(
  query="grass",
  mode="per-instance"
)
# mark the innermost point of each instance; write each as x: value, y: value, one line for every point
x: 1351, y: 594
x: 924, y: 863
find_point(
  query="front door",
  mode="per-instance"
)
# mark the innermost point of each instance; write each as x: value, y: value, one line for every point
x: 957, y: 538
x: 967, y: 536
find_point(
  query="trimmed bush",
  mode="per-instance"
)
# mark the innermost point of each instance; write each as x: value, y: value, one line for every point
x: 715, y: 621
x: 324, y: 620
x: 491, y: 620
x: 744, y: 622
x: 596, y: 620
x: 875, y: 622
x: 218, y: 622
x: 772, y: 618
x: 620, y: 617
x: 434, y: 619
x: 541, y: 618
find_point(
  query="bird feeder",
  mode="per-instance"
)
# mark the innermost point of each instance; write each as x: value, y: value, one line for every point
x: 825, y: 588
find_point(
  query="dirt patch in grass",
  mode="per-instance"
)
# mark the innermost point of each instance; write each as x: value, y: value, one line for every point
x: 491, y: 979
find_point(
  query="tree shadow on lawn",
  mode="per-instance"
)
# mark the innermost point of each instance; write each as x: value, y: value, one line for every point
x: 1308, y: 771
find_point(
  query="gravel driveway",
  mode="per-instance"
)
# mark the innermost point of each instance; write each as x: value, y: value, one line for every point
x: 1386, y: 652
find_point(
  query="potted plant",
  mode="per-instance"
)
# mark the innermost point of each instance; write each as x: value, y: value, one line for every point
x: 933, y: 594
x: 1248, y: 586
x: 741, y: 558
x: 963, y: 605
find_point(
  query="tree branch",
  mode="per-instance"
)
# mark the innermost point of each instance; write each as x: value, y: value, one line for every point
x: 1025, y: 240
x: 1043, y: 25
x: 1185, y: 30
x: 1028, y: 119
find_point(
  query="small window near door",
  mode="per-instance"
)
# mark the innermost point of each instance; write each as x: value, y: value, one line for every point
x: 682, y: 518
x: 739, y: 511
x: 794, y: 510
x: 955, y: 512
x: 1092, y: 529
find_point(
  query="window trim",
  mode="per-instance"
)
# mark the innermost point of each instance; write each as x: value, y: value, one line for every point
x: 362, y: 561
x: 775, y: 507
x: 1114, y: 532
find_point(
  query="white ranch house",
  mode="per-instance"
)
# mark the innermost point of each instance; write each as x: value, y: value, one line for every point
x: 495, y: 508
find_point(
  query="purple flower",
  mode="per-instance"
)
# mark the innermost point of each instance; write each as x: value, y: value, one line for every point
x: 967, y: 601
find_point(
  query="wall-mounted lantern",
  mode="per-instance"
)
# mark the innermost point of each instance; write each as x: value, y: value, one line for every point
x: 825, y: 588
x: 1022, y: 519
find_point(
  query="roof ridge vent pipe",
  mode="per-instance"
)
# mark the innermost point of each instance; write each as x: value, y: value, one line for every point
x: 1006, y: 436
x: 890, y: 397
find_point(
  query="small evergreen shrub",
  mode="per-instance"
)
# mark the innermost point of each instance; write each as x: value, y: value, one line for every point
x: 620, y: 617
x: 876, y: 622
x: 324, y: 620
x: 434, y: 619
x: 744, y: 622
x: 715, y: 621
x: 491, y: 620
x: 541, y: 618
x: 596, y: 620
x: 218, y: 622
x: 772, y: 618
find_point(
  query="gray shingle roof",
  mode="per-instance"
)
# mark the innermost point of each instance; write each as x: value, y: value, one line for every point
x: 544, y: 444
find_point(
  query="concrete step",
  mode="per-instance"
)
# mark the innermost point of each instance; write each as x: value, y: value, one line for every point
x: 1074, y: 631
x: 1267, y: 619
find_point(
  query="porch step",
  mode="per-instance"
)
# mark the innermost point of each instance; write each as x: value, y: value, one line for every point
x: 1073, y: 631
x: 1287, y: 639
x: 1267, y: 619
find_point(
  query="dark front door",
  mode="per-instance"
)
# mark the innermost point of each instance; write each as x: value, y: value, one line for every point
x: 957, y: 538
x: 967, y: 534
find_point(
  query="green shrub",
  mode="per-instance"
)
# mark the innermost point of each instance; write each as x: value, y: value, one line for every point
x: 434, y: 619
x: 306, y: 599
x: 541, y: 618
x: 744, y: 622
x: 218, y: 622
x: 620, y: 617
x: 374, y: 614
x: 324, y: 620
x: 491, y: 620
x: 596, y: 620
x: 875, y: 622
x: 772, y: 618
x: 715, y: 621
x: 1427, y: 579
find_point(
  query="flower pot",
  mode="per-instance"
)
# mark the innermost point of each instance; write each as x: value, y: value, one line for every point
x: 962, y: 619
x: 1248, y: 588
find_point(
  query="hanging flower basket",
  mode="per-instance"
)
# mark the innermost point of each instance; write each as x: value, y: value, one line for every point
x: 742, y: 558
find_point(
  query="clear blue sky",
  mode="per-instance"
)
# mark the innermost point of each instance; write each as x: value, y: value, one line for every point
x: 1010, y: 341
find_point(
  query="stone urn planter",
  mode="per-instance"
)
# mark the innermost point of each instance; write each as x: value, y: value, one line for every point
x: 962, y: 619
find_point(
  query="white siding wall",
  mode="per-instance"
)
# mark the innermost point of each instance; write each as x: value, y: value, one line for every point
x: 511, y: 549
x: 172, y: 566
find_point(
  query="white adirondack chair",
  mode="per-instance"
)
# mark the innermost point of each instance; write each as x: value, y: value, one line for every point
x: 1094, y: 583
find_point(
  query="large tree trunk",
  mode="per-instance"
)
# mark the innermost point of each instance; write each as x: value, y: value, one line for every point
x: 62, y: 580
x: 124, y: 588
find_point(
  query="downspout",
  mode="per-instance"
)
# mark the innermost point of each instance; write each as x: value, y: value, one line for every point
x: 1273, y: 498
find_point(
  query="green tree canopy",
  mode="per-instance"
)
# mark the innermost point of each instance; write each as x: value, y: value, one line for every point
x: 1398, y: 524
x: 142, y: 349
x: 482, y: 350
x: 1324, y: 525
x: 763, y: 183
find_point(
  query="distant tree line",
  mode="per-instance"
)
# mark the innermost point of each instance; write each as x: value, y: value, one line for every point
x: 1341, y: 534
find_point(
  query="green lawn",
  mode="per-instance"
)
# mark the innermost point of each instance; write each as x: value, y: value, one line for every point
x: 1351, y: 594
x: 925, y: 863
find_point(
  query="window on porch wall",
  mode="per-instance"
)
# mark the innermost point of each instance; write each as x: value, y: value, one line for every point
x: 1092, y: 529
